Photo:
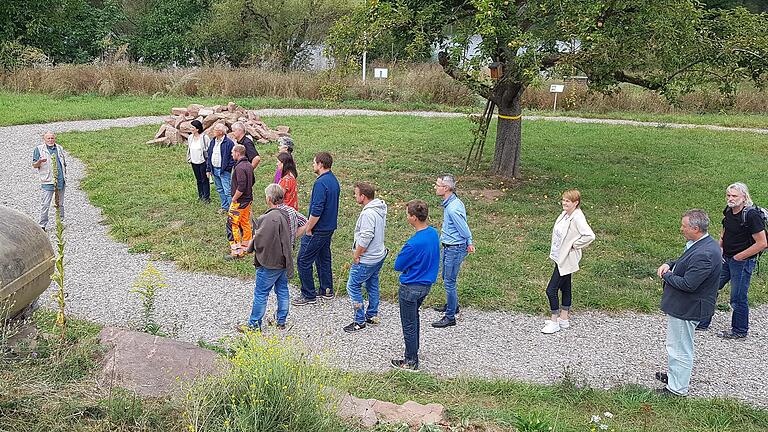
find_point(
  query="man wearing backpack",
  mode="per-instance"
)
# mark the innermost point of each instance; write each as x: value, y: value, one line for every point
x: 742, y: 239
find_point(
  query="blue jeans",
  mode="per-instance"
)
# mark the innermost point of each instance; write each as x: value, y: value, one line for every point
x: 680, y: 352
x: 410, y: 298
x: 453, y: 256
x: 265, y: 280
x: 222, y: 180
x: 315, y: 249
x: 360, y: 274
x: 739, y: 273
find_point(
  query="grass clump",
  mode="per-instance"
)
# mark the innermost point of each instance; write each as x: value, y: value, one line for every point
x: 270, y: 385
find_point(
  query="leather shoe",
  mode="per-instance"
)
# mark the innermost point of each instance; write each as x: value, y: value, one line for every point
x: 662, y: 376
x: 731, y: 335
x: 444, y: 322
x: 665, y: 392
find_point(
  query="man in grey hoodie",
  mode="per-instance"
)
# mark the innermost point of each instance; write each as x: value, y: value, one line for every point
x: 367, y: 257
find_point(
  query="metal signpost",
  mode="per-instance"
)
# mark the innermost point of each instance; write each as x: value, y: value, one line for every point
x: 556, y: 88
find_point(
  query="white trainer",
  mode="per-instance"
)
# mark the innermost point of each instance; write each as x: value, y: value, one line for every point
x: 563, y: 323
x: 550, y: 327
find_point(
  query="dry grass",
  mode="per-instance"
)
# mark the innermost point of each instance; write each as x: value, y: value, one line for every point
x: 414, y: 83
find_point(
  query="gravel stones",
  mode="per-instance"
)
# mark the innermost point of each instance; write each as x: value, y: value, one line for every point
x: 600, y: 349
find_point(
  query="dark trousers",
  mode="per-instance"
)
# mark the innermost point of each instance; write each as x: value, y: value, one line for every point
x: 203, y: 185
x: 315, y: 249
x: 559, y: 283
x: 410, y: 298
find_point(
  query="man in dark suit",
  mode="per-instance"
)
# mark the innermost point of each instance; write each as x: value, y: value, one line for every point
x: 690, y: 291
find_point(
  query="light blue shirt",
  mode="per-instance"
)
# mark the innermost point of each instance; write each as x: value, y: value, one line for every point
x: 455, y: 229
x: 690, y: 243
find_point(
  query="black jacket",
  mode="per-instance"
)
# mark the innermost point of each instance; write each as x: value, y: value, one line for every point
x: 690, y: 289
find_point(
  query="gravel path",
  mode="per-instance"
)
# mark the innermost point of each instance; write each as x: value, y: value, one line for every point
x: 601, y: 350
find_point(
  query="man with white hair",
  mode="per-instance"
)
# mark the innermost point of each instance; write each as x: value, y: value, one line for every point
x: 245, y: 140
x: 457, y: 243
x: 220, y: 164
x: 743, y: 237
x: 50, y: 179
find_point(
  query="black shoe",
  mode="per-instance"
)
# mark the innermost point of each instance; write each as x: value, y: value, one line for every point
x: 281, y: 326
x: 328, y: 296
x: 444, y: 322
x: 731, y: 335
x: 374, y: 320
x: 665, y: 392
x: 443, y: 307
x: 404, y: 365
x: 663, y: 377
x: 354, y: 327
x: 700, y: 328
x: 303, y: 301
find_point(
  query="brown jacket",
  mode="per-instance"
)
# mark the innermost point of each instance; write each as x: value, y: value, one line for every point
x: 242, y: 180
x: 272, y: 241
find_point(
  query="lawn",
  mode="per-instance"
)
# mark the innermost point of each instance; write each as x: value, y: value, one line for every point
x: 28, y: 108
x: 635, y: 182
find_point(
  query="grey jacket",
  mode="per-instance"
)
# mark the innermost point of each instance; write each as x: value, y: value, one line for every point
x: 272, y: 241
x: 369, y: 232
x: 690, y: 289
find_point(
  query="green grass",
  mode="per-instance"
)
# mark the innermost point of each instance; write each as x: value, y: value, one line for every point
x: 731, y: 120
x: 566, y: 406
x: 29, y: 108
x: 52, y: 387
x: 635, y: 184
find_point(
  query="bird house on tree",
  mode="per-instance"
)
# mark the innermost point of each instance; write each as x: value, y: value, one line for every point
x: 496, y: 70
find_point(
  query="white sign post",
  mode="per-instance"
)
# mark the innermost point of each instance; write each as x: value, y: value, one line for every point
x: 556, y: 88
x: 382, y: 73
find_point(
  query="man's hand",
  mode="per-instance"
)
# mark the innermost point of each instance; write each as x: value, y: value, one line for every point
x: 471, y: 248
x: 663, y: 269
x: 308, y: 233
x: 355, y: 258
x: 208, y: 174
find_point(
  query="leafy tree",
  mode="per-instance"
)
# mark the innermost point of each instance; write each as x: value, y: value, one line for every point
x: 162, y: 33
x: 267, y: 32
x: 752, y: 5
x: 65, y: 30
x: 670, y: 46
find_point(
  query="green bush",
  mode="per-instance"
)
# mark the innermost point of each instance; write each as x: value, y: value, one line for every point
x: 270, y: 385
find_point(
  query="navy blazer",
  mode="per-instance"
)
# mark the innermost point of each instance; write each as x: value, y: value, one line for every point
x: 227, y: 163
x: 690, y: 289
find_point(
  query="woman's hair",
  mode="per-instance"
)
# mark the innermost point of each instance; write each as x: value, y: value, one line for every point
x: 288, y: 164
x: 573, y: 195
x: 197, y: 125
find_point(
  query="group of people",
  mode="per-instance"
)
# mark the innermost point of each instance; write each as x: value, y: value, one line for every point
x: 691, y: 282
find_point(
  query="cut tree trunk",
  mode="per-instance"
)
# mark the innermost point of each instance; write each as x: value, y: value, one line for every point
x: 506, y: 158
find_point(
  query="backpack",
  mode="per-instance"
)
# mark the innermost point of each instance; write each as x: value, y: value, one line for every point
x: 763, y: 213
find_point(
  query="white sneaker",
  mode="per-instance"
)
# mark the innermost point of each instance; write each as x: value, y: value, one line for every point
x: 550, y: 327
x: 563, y: 323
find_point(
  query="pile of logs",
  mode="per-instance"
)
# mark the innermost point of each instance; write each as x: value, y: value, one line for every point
x: 178, y: 126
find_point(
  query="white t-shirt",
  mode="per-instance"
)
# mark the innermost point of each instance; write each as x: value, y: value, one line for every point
x: 197, y: 149
x: 216, y: 156
x: 558, y: 234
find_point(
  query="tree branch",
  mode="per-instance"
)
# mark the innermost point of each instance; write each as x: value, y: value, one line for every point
x: 483, y: 90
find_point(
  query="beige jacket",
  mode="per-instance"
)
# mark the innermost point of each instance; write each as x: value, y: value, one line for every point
x: 578, y: 236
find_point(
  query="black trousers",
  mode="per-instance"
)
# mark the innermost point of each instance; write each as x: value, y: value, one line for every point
x: 559, y: 283
x: 203, y: 185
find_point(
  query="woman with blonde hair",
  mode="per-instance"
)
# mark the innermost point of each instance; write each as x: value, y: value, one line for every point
x: 570, y: 235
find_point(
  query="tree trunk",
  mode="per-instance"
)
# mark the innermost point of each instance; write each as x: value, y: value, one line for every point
x: 506, y: 159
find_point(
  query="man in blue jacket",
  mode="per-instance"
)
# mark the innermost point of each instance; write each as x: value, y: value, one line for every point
x: 220, y: 164
x: 418, y: 262
x: 316, y: 242
x: 690, y: 292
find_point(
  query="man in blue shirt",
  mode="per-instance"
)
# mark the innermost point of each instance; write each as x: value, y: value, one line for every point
x: 42, y: 157
x: 418, y: 262
x: 316, y: 242
x: 457, y: 242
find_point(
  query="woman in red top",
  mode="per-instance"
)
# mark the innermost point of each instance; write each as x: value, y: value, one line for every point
x: 288, y: 175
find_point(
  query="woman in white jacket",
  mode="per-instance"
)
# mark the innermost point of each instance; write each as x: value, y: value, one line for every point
x: 570, y: 235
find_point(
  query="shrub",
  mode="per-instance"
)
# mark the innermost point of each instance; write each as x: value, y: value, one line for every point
x: 269, y: 386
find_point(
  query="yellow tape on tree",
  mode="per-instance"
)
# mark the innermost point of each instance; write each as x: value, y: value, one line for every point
x: 517, y: 117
